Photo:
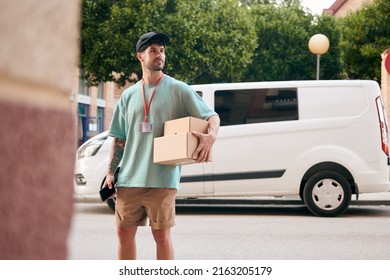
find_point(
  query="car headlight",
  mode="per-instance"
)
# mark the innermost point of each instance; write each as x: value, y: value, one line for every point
x: 90, y: 149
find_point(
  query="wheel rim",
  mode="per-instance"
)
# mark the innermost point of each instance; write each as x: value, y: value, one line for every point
x: 328, y: 194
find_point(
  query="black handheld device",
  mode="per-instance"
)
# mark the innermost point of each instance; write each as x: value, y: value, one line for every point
x: 106, y: 192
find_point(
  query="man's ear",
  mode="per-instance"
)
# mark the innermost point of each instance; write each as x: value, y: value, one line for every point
x: 139, y: 57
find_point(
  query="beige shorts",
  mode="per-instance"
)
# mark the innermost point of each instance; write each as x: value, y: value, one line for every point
x: 135, y: 205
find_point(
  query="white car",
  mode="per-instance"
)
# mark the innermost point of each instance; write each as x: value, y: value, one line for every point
x: 91, y: 167
x: 323, y: 141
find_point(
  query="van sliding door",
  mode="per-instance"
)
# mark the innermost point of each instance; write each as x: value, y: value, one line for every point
x: 250, y: 148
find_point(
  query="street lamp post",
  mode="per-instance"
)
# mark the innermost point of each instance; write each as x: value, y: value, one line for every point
x: 318, y: 45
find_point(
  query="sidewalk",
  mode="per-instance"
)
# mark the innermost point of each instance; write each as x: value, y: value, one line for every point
x: 372, y: 199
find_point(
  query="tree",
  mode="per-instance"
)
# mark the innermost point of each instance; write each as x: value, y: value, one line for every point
x: 92, y: 44
x: 283, y: 34
x: 214, y: 41
x: 109, y: 30
x: 365, y: 35
x: 214, y: 37
x: 211, y: 41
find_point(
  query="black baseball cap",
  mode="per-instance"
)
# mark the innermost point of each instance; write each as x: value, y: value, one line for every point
x: 151, y: 37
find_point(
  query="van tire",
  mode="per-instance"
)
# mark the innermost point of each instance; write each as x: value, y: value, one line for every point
x: 327, y: 194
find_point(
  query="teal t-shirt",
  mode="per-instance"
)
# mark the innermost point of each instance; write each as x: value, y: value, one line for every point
x: 172, y: 100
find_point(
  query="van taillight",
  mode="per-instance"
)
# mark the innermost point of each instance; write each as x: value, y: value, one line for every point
x: 382, y: 125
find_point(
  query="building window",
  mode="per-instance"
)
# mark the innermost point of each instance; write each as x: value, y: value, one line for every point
x: 82, y: 131
x: 237, y: 107
x: 100, y: 93
x: 83, y: 89
x: 100, y: 119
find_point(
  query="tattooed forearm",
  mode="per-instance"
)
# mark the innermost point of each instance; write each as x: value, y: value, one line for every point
x: 117, y: 148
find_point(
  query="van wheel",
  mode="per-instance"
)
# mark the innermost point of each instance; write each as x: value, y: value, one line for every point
x: 327, y: 194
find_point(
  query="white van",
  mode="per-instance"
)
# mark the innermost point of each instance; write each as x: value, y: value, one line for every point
x: 321, y: 140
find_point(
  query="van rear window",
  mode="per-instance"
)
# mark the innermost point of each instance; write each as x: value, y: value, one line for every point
x: 256, y: 105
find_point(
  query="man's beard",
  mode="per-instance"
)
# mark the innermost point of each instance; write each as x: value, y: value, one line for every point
x: 154, y: 67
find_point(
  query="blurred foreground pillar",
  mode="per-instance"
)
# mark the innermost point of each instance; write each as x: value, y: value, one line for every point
x: 38, y: 55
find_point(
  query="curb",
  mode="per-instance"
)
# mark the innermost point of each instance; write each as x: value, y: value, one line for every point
x: 244, y: 202
x: 253, y: 202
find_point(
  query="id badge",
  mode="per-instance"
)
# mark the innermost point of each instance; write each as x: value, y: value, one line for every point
x: 145, y: 127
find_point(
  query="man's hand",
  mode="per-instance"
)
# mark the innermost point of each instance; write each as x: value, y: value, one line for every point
x: 110, y: 179
x: 206, y: 142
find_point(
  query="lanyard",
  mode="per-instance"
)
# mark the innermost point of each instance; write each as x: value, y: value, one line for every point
x: 147, y: 107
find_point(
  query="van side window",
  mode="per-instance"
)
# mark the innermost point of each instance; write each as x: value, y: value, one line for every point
x: 256, y: 105
x: 199, y: 93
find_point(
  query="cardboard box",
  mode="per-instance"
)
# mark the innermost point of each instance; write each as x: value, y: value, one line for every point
x: 175, y: 149
x: 184, y: 125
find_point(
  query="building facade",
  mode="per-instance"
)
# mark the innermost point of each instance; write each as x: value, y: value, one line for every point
x: 341, y: 8
x: 92, y: 107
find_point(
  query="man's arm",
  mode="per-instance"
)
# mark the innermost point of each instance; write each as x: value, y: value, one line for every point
x: 206, y: 141
x: 117, y: 148
x: 214, y: 122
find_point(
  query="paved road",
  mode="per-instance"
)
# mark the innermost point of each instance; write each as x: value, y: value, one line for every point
x: 271, y: 232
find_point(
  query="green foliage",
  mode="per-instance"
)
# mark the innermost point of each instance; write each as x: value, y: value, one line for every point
x: 210, y: 40
x: 365, y: 35
x: 231, y: 40
x: 95, y: 41
x: 110, y: 30
x: 283, y: 35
